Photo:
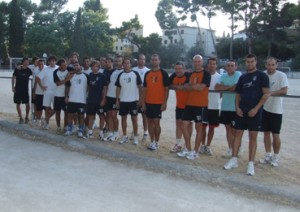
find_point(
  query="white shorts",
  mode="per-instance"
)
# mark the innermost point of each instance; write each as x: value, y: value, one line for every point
x: 48, y: 100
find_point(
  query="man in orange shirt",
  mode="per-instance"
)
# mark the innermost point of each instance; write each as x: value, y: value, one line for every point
x: 196, y: 107
x: 177, y: 81
x: 155, y: 93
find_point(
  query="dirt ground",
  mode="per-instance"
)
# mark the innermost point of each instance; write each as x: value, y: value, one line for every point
x: 287, y: 174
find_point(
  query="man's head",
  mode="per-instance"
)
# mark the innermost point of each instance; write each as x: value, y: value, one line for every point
x: 102, y: 62
x: 25, y: 62
x: 141, y: 60
x: 74, y: 57
x: 62, y: 64
x: 109, y: 63
x: 86, y: 62
x: 41, y: 64
x: 179, y: 69
x: 230, y: 67
x: 119, y: 62
x: 271, y: 65
x: 212, y: 65
x: 77, y: 67
x: 52, y: 61
x: 127, y: 64
x: 35, y: 61
x: 95, y: 65
x: 155, y: 61
x: 251, y: 61
x: 198, y: 63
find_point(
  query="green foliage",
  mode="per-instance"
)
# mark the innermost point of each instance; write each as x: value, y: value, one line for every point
x: 171, y: 54
x: 3, y: 31
x: 78, y: 40
x: 150, y: 45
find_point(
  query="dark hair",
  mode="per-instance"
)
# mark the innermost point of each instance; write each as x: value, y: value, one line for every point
x: 41, y: 60
x: 109, y: 58
x: 212, y: 59
x: 85, y: 58
x: 74, y: 53
x: 156, y: 55
x: 127, y: 58
x: 51, y: 57
x: 251, y: 56
x: 179, y: 63
x: 231, y: 60
x: 95, y: 62
x: 34, y: 59
x: 61, y: 61
x: 24, y: 59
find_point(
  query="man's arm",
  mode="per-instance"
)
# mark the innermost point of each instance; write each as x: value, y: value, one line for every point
x: 164, y: 105
x: 238, y: 110
x: 13, y: 81
x: 263, y: 99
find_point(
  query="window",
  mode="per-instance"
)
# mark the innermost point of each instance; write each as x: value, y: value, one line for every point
x: 182, y: 31
x: 175, y: 41
x: 116, y: 48
x: 165, y: 42
x: 121, y: 48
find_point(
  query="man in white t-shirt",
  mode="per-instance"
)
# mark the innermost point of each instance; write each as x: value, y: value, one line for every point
x: 35, y: 70
x: 86, y: 66
x: 142, y: 70
x: 46, y: 80
x: 129, y: 96
x: 213, y: 108
x: 272, y: 112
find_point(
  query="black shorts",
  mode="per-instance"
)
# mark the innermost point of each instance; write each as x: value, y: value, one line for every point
x: 39, y: 102
x: 73, y: 107
x: 227, y: 117
x: 128, y: 108
x: 248, y: 123
x: 140, y: 109
x: 110, y: 104
x: 93, y: 109
x: 60, y: 103
x: 213, y: 118
x: 196, y: 114
x: 21, y: 97
x: 33, y: 100
x: 178, y: 113
x: 271, y: 122
x: 153, y: 111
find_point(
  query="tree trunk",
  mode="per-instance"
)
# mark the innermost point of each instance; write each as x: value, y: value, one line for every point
x: 199, y: 32
x: 231, y: 40
x: 212, y: 36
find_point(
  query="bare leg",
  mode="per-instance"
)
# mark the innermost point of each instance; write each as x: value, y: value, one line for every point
x: 157, y: 129
x: 237, y: 142
x: 267, y: 141
x: 252, y: 144
x: 186, y: 125
x: 199, y: 136
x: 276, y: 143
x: 134, y: 125
x: 124, y: 125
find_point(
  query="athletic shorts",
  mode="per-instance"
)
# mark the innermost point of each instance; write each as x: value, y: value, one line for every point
x: 73, y: 107
x: 140, y: 109
x: 39, y: 102
x: 271, y: 122
x: 33, y: 100
x: 196, y: 114
x: 93, y: 109
x: 178, y: 113
x: 110, y: 104
x: 227, y: 117
x: 48, y: 99
x: 248, y: 123
x: 128, y: 108
x: 60, y: 103
x: 213, y: 118
x: 153, y: 111
x: 21, y: 97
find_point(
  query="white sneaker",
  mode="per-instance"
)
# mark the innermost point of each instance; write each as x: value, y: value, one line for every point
x: 240, y: 150
x: 229, y: 152
x: 131, y: 136
x: 266, y: 159
x: 231, y: 164
x: 202, y: 149
x: 46, y: 126
x: 75, y: 128
x: 153, y: 146
x: 275, y: 161
x: 135, y: 140
x: 107, y: 136
x: 114, y: 137
x: 250, y: 169
x: 101, y: 136
x: 192, y: 155
x: 67, y: 133
x: 183, y: 153
x: 80, y: 134
x: 145, y: 137
x: 124, y: 140
x: 208, y: 151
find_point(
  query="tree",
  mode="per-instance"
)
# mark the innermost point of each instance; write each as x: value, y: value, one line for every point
x: 167, y: 19
x: 3, y: 31
x: 94, y: 5
x: 150, y: 45
x: 78, y: 40
x: 171, y: 54
x: 16, y: 29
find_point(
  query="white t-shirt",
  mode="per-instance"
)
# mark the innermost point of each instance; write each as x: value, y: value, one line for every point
x: 47, y: 79
x: 141, y: 71
x: 214, y: 98
x: 278, y: 80
x: 38, y: 89
x: 59, y: 76
x: 111, y: 90
x: 78, y: 88
x: 87, y: 71
x: 34, y: 70
x: 128, y: 82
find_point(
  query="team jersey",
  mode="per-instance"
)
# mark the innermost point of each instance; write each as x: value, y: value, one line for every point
x: 59, y: 76
x: 156, y: 82
x: 38, y: 89
x: 181, y: 96
x: 195, y: 97
x: 78, y: 88
x: 87, y: 71
x: 250, y: 87
x: 111, y: 90
x: 47, y: 79
x: 141, y: 71
x: 129, y: 82
x: 214, y: 98
x: 228, y: 99
x: 22, y: 79
x: 278, y: 80
x: 96, y: 84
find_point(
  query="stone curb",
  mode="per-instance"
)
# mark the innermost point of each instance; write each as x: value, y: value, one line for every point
x: 217, y: 178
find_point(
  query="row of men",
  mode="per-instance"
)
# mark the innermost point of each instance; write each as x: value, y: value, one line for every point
x: 128, y: 91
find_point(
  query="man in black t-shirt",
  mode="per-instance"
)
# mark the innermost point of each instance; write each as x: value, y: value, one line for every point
x: 20, y: 89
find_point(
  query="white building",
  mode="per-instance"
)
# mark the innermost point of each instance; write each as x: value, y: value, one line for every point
x: 190, y: 37
x: 124, y: 46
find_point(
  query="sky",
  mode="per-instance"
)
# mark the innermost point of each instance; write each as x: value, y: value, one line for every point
x: 121, y: 10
